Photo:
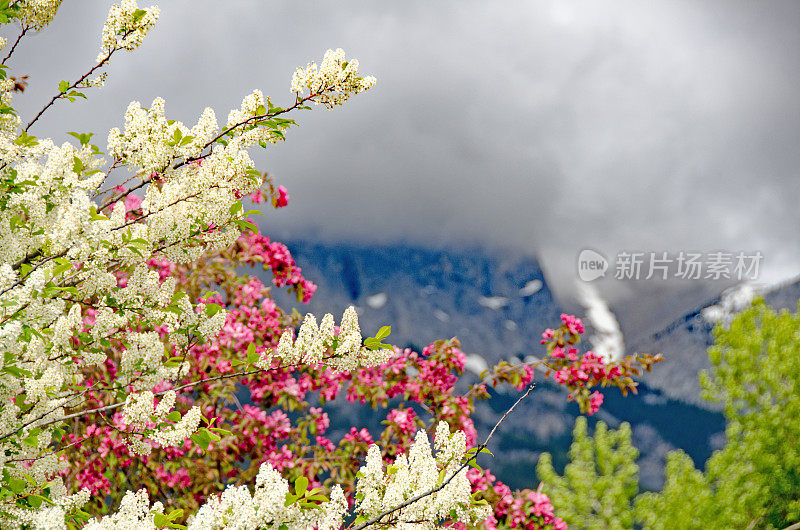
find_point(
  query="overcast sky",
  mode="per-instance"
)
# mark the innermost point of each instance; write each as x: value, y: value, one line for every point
x: 545, y: 127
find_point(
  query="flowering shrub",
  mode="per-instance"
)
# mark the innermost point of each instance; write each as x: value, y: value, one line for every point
x: 580, y: 372
x: 145, y: 383
x: 262, y: 432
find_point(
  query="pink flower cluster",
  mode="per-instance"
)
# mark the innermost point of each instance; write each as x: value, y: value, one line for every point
x: 280, y: 197
x: 437, y: 369
x: 132, y: 202
x: 277, y: 258
x: 265, y: 434
x: 578, y: 372
x: 530, y: 510
x: 404, y: 419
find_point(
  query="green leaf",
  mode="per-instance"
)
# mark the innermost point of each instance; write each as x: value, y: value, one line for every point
x: 214, y: 437
x: 221, y: 432
x: 63, y: 86
x: 477, y: 450
x: 138, y: 15
x: 17, y: 485
x: 235, y: 208
x: 383, y: 332
x: 84, y: 139
x: 26, y: 140
x: 174, y: 416
x: 246, y: 224
x: 300, y: 486
x: 75, y: 94
x: 252, y: 356
x: 201, y: 438
x: 319, y: 498
x: 175, y: 514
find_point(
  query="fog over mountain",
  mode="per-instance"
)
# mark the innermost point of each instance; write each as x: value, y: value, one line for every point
x: 543, y: 127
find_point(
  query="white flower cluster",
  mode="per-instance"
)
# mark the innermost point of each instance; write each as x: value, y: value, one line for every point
x: 73, y: 265
x: 266, y: 508
x: 126, y: 27
x: 334, y: 82
x: 377, y: 489
x: 134, y: 513
x: 253, y: 109
x: 50, y: 516
x: 140, y: 411
x: 189, y: 197
x: 236, y: 508
x: 415, y: 473
x: 97, y: 81
x: 38, y: 13
x: 344, y: 350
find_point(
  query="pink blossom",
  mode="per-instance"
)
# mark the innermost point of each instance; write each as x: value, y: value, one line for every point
x: 283, y: 197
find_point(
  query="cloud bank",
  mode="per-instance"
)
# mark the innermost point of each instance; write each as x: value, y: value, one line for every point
x: 543, y: 127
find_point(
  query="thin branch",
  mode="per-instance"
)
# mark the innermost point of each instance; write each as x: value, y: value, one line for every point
x: 14, y: 47
x: 257, y: 118
x: 76, y: 83
x: 412, y: 500
x: 536, y: 363
x: 176, y: 389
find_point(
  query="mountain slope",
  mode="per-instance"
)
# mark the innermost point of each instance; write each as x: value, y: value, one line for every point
x: 498, y: 305
x: 684, y: 341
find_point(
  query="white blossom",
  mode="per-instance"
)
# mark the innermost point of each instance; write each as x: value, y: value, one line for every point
x: 318, y: 344
x: 416, y: 473
x: 126, y: 27
x: 66, y: 248
x: 334, y: 81
x: 38, y: 13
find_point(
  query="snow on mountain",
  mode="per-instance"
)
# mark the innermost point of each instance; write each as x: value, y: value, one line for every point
x: 732, y: 301
x: 531, y: 288
x: 493, y: 302
x: 377, y: 301
x: 605, y: 334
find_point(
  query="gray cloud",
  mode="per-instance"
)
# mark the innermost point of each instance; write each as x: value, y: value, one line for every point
x: 543, y: 127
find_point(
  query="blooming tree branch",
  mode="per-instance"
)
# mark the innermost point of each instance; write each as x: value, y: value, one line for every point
x: 473, y: 454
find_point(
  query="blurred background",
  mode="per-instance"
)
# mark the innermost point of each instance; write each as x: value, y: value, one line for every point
x: 501, y: 140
